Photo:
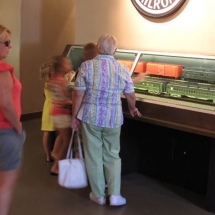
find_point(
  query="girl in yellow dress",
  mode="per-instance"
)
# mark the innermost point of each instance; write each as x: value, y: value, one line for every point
x: 47, y: 123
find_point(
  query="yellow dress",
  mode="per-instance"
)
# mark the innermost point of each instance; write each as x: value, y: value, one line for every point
x: 47, y: 122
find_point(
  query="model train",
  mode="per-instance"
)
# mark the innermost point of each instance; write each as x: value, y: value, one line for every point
x: 176, y: 80
x: 178, y: 88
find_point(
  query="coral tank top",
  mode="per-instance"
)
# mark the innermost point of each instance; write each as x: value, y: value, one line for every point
x: 16, y: 93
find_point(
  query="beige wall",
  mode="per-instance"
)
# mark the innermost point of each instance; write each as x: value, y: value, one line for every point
x: 10, y: 17
x: 47, y: 26
x: 191, y: 30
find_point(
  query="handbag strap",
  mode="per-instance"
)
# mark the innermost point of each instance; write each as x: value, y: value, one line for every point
x: 79, y: 146
x: 69, y: 151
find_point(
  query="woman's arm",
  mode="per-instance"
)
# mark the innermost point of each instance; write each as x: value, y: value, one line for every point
x: 69, y: 76
x: 77, y: 97
x: 6, y: 101
x: 139, y: 78
x: 131, y: 100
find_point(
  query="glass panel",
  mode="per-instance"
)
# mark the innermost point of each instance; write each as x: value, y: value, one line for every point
x: 75, y: 53
x: 198, y: 69
x: 126, y: 58
x: 184, y: 61
x: 124, y: 55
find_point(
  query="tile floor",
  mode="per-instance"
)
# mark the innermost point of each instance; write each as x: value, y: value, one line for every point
x: 37, y: 192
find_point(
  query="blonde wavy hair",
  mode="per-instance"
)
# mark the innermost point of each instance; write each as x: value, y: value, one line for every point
x: 46, y: 71
x: 3, y: 32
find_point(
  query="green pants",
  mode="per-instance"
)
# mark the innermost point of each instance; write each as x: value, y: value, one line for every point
x: 101, y: 150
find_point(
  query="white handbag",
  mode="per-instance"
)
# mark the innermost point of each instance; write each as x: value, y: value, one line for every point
x: 72, y: 171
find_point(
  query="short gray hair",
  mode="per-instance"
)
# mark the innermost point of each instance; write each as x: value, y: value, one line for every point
x: 107, y: 44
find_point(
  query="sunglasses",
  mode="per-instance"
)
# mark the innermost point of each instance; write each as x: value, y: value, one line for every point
x: 6, y: 43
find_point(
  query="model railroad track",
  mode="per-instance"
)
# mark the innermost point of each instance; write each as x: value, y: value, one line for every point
x: 170, y: 79
x: 183, y: 98
x: 185, y: 90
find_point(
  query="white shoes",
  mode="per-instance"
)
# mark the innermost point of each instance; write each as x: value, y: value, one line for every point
x: 100, y: 201
x: 117, y: 200
x: 114, y: 200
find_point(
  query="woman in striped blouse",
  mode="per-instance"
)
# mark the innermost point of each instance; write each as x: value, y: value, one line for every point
x: 97, y: 110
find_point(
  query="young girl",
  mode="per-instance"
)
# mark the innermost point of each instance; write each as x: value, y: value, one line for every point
x: 47, y: 123
x: 62, y: 109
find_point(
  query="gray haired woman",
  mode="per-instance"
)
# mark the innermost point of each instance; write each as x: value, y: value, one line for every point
x: 97, y: 110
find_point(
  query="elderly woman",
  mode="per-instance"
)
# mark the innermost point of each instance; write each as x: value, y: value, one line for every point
x: 97, y: 111
x: 11, y: 134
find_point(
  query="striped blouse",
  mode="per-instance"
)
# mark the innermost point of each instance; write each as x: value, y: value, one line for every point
x: 104, y: 80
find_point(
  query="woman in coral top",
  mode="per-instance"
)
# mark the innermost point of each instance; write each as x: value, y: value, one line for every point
x: 12, y: 136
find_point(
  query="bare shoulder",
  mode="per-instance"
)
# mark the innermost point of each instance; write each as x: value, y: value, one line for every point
x: 6, y: 79
x: 48, y: 85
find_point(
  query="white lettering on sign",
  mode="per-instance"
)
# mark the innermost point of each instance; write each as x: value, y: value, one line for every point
x: 156, y: 5
x: 165, y: 5
x: 149, y: 5
x: 158, y: 8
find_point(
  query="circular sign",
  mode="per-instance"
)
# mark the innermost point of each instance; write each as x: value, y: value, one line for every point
x: 157, y: 8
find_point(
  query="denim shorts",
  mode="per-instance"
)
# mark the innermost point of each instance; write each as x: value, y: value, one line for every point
x: 11, y: 146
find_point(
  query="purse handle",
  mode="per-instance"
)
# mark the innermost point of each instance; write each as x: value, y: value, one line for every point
x: 69, y: 151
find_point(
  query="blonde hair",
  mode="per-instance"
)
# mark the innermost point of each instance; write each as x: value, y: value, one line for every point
x: 46, y: 71
x: 3, y: 32
x: 107, y: 44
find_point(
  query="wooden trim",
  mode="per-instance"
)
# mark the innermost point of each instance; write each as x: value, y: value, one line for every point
x: 176, y: 117
x: 30, y: 116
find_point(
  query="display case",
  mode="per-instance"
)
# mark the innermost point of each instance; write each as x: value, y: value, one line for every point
x: 193, y: 88
x: 175, y: 136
